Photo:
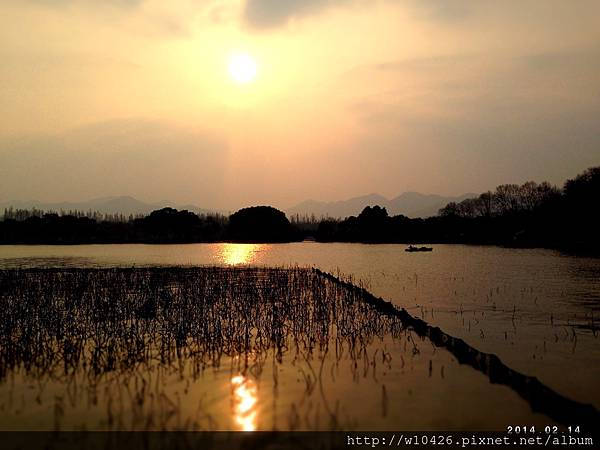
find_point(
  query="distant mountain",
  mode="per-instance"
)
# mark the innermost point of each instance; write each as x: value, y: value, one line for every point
x: 340, y: 208
x: 107, y: 205
x: 410, y: 204
x: 414, y: 204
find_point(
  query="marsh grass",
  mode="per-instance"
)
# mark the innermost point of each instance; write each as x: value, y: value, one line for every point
x: 102, y: 320
x: 119, y: 333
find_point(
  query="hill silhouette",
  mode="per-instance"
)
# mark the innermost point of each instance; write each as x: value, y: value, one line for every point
x: 410, y: 204
x: 531, y: 215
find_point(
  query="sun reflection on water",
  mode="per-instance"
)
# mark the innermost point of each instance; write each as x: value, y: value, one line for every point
x: 244, y: 402
x: 238, y: 254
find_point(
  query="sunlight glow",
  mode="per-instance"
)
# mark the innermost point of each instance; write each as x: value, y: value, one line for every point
x: 242, y: 68
x: 237, y: 254
x: 244, y: 402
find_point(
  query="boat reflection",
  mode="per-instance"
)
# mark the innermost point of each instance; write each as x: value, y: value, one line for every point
x: 244, y: 402
x: 238, y: 254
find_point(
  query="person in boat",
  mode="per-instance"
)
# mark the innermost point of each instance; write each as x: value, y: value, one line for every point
x: 412, y: 248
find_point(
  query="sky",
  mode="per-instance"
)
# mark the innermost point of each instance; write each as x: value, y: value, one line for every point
x: 133, y: 97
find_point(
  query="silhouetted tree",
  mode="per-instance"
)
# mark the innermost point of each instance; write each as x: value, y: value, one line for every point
x: 259, y: 224
x: 583, y: 191
x: 373, y: 224
x: 580, y: 204
x: 169, y: 225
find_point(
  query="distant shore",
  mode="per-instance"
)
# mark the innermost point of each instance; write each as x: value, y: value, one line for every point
x: 529, y: 215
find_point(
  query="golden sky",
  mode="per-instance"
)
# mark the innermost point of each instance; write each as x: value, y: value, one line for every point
x: 133, y: 97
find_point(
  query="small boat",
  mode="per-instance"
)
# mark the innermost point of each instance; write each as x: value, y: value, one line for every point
x: 412, y: 248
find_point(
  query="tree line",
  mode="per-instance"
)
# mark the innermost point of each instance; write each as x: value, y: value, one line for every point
x: 166, y: 225
x: 530, y: 214
x: 507, y: 199
x: 21, y: 214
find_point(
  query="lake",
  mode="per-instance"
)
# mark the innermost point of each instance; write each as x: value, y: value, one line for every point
x: 538, y: 310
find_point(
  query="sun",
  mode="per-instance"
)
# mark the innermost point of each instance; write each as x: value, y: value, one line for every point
x: 242, y: 68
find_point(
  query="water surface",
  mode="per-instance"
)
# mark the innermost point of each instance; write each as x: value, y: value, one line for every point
x: 539, y: 310
x: 226, y: 349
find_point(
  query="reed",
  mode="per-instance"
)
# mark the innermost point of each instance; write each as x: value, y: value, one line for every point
x: 60, y: 321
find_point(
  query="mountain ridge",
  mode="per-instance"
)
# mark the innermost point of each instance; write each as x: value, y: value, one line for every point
x: 410, y: 204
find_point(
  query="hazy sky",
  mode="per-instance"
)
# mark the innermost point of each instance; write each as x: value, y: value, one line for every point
x: 133, y: 97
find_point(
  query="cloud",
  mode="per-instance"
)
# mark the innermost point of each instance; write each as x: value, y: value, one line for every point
x: 521, y: 117
x: 62, y: 3
x: 263, y: 14
x: 446, y: 10
x: 139, y: 17
x: 273, y: 13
